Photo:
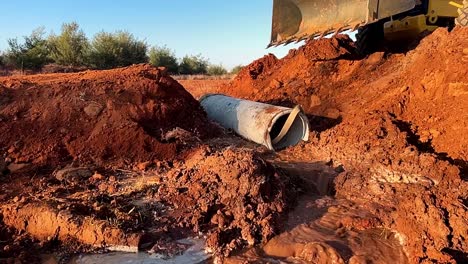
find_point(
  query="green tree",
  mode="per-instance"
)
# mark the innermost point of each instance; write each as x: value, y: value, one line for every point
x: 236, y: 69
x: 193, y: 64
x: 216, y: 70
x: 69, y: 48
x: 119, y: 49
x: 2, y: 59
x: 32, y: 54
x: 163, y: 56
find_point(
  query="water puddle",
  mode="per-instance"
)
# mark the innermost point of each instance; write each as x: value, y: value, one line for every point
x: 195, y: 253
x: 327, y: 230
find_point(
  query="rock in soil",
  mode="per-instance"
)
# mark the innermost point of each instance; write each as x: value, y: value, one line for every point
x: 73, y: 174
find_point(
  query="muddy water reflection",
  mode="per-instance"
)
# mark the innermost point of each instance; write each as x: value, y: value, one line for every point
x: 322, y: 229
x: 332, y: 231
x: 194, y: 254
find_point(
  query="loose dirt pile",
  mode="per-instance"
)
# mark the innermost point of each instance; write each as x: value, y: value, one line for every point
x: 396, y: 123
x: 233, y: 190
x: 118, y: 116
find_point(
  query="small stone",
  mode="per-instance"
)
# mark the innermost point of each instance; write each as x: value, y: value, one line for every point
x: 112, y: 189
x: 93, y: 109
x: 375, y: 58
x: 332, y: 113
x: 96, y: 177
x: 102, y: 187
x: 11, y: 149
x: 434, y: 133
x: 275, y: 84
x: 315, y: 101
x: 73, y: 174
x: 143, y: 165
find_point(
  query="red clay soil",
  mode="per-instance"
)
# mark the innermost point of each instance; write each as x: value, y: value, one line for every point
x: 237, y: 197
x: 396, y: 123
x: 115, y: 160
x: 392, y: 125
x: 117, y: 116
x: 231, y: 195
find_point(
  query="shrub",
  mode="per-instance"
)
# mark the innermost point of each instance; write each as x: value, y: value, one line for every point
x: 216, y: 70
x: 163, y: 57
x: 237, y: 69
x: 69, y: 48
x: 32, y: 54
x: 119, y: 49
x: 193, y: 64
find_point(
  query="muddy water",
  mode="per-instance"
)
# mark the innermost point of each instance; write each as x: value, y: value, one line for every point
x: 195, y: 253
x: 317, y: 232
x: 322, y: 229
x: 326, y: 240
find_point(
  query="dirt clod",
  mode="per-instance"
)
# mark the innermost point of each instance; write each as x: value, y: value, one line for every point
x: 247, y: 206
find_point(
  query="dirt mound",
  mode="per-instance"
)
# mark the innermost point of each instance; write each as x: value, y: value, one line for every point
x: 297, y: 76
x: 399, y: 83
x: 233, y: 194
x: 397, y: 125
x: 117, y: 116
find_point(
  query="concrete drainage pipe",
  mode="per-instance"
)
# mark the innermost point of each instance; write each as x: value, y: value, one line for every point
x: 275, y: 127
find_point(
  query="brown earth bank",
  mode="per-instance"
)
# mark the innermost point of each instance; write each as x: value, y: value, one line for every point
x: 396, y: 124
x: 102, y: 117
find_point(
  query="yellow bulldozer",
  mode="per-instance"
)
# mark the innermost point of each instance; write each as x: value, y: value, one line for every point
x: 377, y: 21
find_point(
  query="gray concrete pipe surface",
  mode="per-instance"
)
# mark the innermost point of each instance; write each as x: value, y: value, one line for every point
x: 255, y: 121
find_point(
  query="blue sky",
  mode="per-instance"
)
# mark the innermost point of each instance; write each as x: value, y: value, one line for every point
x: 227, y: 32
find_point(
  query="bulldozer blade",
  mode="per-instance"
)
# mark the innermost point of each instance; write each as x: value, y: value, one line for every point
x: 295, y: 20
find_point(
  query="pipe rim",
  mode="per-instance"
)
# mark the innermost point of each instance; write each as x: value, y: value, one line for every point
x: 305, y: 128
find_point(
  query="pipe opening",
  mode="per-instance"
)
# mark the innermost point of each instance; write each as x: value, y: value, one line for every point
x: 296, y: 133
